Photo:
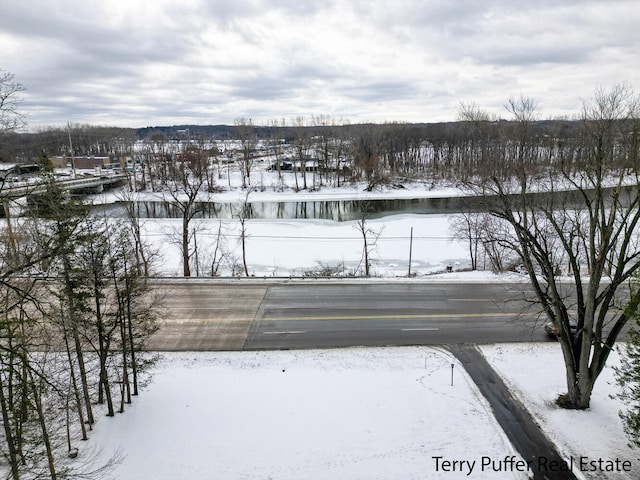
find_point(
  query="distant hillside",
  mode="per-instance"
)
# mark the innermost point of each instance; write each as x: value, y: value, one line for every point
x: 222, y: 132
x: 95, y: 140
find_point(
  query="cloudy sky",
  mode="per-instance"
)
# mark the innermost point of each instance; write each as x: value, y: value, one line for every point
x: 164, y: 62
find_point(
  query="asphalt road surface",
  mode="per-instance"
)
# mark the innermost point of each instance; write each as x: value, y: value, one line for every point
x: 219, y: 316
x: 205, y: 316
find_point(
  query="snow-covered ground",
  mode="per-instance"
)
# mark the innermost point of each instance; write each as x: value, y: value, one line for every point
x: 359, y: 413
x: 328, y: 414
x: 535, y: 374
x: 291, y: 247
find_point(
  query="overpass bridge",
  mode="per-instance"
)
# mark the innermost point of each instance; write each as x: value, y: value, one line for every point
x: 89, y: 184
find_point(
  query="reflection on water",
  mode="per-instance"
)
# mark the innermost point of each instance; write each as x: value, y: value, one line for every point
x: 337, y: 210
x: 345, y: 210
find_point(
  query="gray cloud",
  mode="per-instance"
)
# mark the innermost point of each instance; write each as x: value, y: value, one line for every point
x: 131, y: 62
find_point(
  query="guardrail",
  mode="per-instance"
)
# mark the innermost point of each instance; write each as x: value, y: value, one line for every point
x: 72, y: 184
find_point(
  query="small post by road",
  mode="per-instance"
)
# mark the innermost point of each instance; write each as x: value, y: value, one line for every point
x: 452, y: 374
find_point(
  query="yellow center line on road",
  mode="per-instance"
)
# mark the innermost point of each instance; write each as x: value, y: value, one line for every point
x: 471, y: 300
x: 390, y: 316
x: 348, y: 317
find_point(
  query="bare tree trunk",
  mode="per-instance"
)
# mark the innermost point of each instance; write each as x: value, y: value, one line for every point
x: 185, y: 247
x: 71, y: 300
x: 125, y: 389
x: 130, y: 338
x: 134, y: 222
x: 83, y: 377
x: 123, y: 314
x: 8, y: 434
x: 243, y: 215
x: 43, y: 428
x: 369, y: 238
x: 72, y: 374
x: 76, y: 392
x: 134, y: 365
x: 10, y: 235
x: 295, y: 176
x: 243, y: 239
x: 366, y: 252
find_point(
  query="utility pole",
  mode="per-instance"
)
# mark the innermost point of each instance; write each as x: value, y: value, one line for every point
x: 73, y: 163
x: 410, y: 251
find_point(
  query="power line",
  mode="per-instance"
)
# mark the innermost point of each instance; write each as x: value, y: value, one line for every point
x: 300, y: 237
x: 381, y: 237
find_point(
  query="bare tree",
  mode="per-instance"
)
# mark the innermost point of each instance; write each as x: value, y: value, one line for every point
x: 276, y: 147
x: 329, y: 145
x: 18, y: 333
x: 243, y: 213
x: 338, y: 150
x: 594, y: 231
x: 134, y: 309
x: 369, y: 237
x: 214, y: 255
x: 35, y: 388
x: 245, y: 132
x: 468, y: 226
x: 10, y: 116
x: 144, y: 254
x: 188, y: 176
x: 367, y: 152
x: 10, y: 120
x: 213, y: 157
x: 157, y: 157
x: 302, y: 144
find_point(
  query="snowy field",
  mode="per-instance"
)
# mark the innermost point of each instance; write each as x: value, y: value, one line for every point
x: 535, y: 374
x: 291, y: 247
x: 360, y: 413
x: 332, y: 414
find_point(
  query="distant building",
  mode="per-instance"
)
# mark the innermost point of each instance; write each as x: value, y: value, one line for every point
x: 82, y: 163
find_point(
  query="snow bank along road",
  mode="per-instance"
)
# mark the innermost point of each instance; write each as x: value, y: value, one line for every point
x: 232, y: 316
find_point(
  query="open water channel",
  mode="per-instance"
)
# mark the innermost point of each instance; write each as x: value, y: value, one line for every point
x: 336, y: 210
x: 347, y: 210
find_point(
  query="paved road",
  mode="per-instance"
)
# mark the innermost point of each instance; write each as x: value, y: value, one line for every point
x: 308, y: 316
x: 215, y: 316
x: 202, y: 316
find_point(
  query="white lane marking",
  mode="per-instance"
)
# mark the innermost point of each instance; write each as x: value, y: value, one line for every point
x: 291, y: 332
x: 424, y: 329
